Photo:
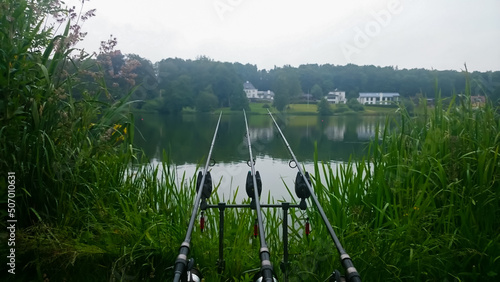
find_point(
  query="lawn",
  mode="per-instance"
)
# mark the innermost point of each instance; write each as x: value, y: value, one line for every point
x: 302, y: 109
x: 374, y: 110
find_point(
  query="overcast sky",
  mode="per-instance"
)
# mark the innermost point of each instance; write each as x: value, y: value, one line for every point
x: 437, y: 34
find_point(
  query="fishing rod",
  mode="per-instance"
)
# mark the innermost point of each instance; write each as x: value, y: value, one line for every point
x: 352, y: 274
x: 266, y: 269
x: 183, y: 266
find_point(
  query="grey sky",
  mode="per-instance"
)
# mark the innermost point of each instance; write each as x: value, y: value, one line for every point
x: 439, y: 34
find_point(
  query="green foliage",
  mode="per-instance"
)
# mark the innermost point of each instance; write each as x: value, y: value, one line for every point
x: 286, y: 86
x: 341, y: 108
x: 206, y: 101
x: 317, y: 92
x: 153, y: 106
x: 352, y: 94
x: 47, y: 136
x: 180, y: 81
x: 409, y: 106
x: 144, y: 78
x: 355, y: 105
x: 445, y: 166
x: 178, y: 86
x: 239, y: 100
x: 324, y: 107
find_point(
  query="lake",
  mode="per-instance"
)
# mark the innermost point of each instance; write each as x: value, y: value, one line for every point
x: 187, y: 138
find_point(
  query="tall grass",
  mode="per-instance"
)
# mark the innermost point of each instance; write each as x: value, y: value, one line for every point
x: 425, y: 204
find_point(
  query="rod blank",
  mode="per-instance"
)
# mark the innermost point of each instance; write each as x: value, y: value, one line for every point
x: 352, y: 274
x: 266, y: 266
x: 181, y: 262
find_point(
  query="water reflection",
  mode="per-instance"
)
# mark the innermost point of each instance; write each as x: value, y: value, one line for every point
x: 366, y: 131
x: 276, y: 176
x: 187, y: 140
x: 335, y: 133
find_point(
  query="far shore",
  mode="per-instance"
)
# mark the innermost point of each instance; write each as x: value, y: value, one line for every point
x: 303, y: 109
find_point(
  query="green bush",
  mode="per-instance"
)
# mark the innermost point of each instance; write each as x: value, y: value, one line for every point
x: 206, y: 102
x: 341, y: 108
x: 355, y: 105
x: 324, y: 108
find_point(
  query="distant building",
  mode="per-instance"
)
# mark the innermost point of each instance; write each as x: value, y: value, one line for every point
x: 254, y: 94
x: 265, y: 95
x: 250, y: 90
x: 304, y: 98
x: 420, y: 99
x: 378, y: 98
x: 336, y: 97
x: 307, y: 97
x: 477, y: 101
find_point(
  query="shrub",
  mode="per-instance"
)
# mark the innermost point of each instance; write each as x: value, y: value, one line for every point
x: 341, y: 108
x: 354, y: 105
x: 324, y: 108
x: 206, y: 102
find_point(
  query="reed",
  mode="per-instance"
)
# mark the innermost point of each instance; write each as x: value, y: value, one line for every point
x: 423, y: 205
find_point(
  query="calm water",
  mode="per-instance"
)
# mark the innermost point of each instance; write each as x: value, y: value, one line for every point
x: 187, y: 140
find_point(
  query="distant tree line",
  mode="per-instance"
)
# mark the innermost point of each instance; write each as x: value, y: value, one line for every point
x: 203, y: 84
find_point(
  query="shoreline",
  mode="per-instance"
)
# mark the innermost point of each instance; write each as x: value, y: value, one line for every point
x: 294, y: 109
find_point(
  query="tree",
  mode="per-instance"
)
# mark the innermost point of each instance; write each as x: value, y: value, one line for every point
x: 287, y: 82
x: 317, y: 92
x: 281, y: 96
x: 145, y: 80
x: 309, y: 76
x: 239, y: 100
x: 119, y: 70
x: 206, y: 101
x: 324, y: 107
x: 351, y: 94
x: 228, y: 87
x: 355, y: 105
x: 182, y: 88
x: 286, y: 85
x: 341, y: 108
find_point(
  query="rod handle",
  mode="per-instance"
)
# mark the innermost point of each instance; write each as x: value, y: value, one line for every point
x: 352, y: 274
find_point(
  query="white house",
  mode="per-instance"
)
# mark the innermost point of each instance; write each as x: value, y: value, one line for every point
x: 336, y: 97
x: 378, y: 98
x: 266, y: 95
x: 254, y: 94
x: 250, y: 90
